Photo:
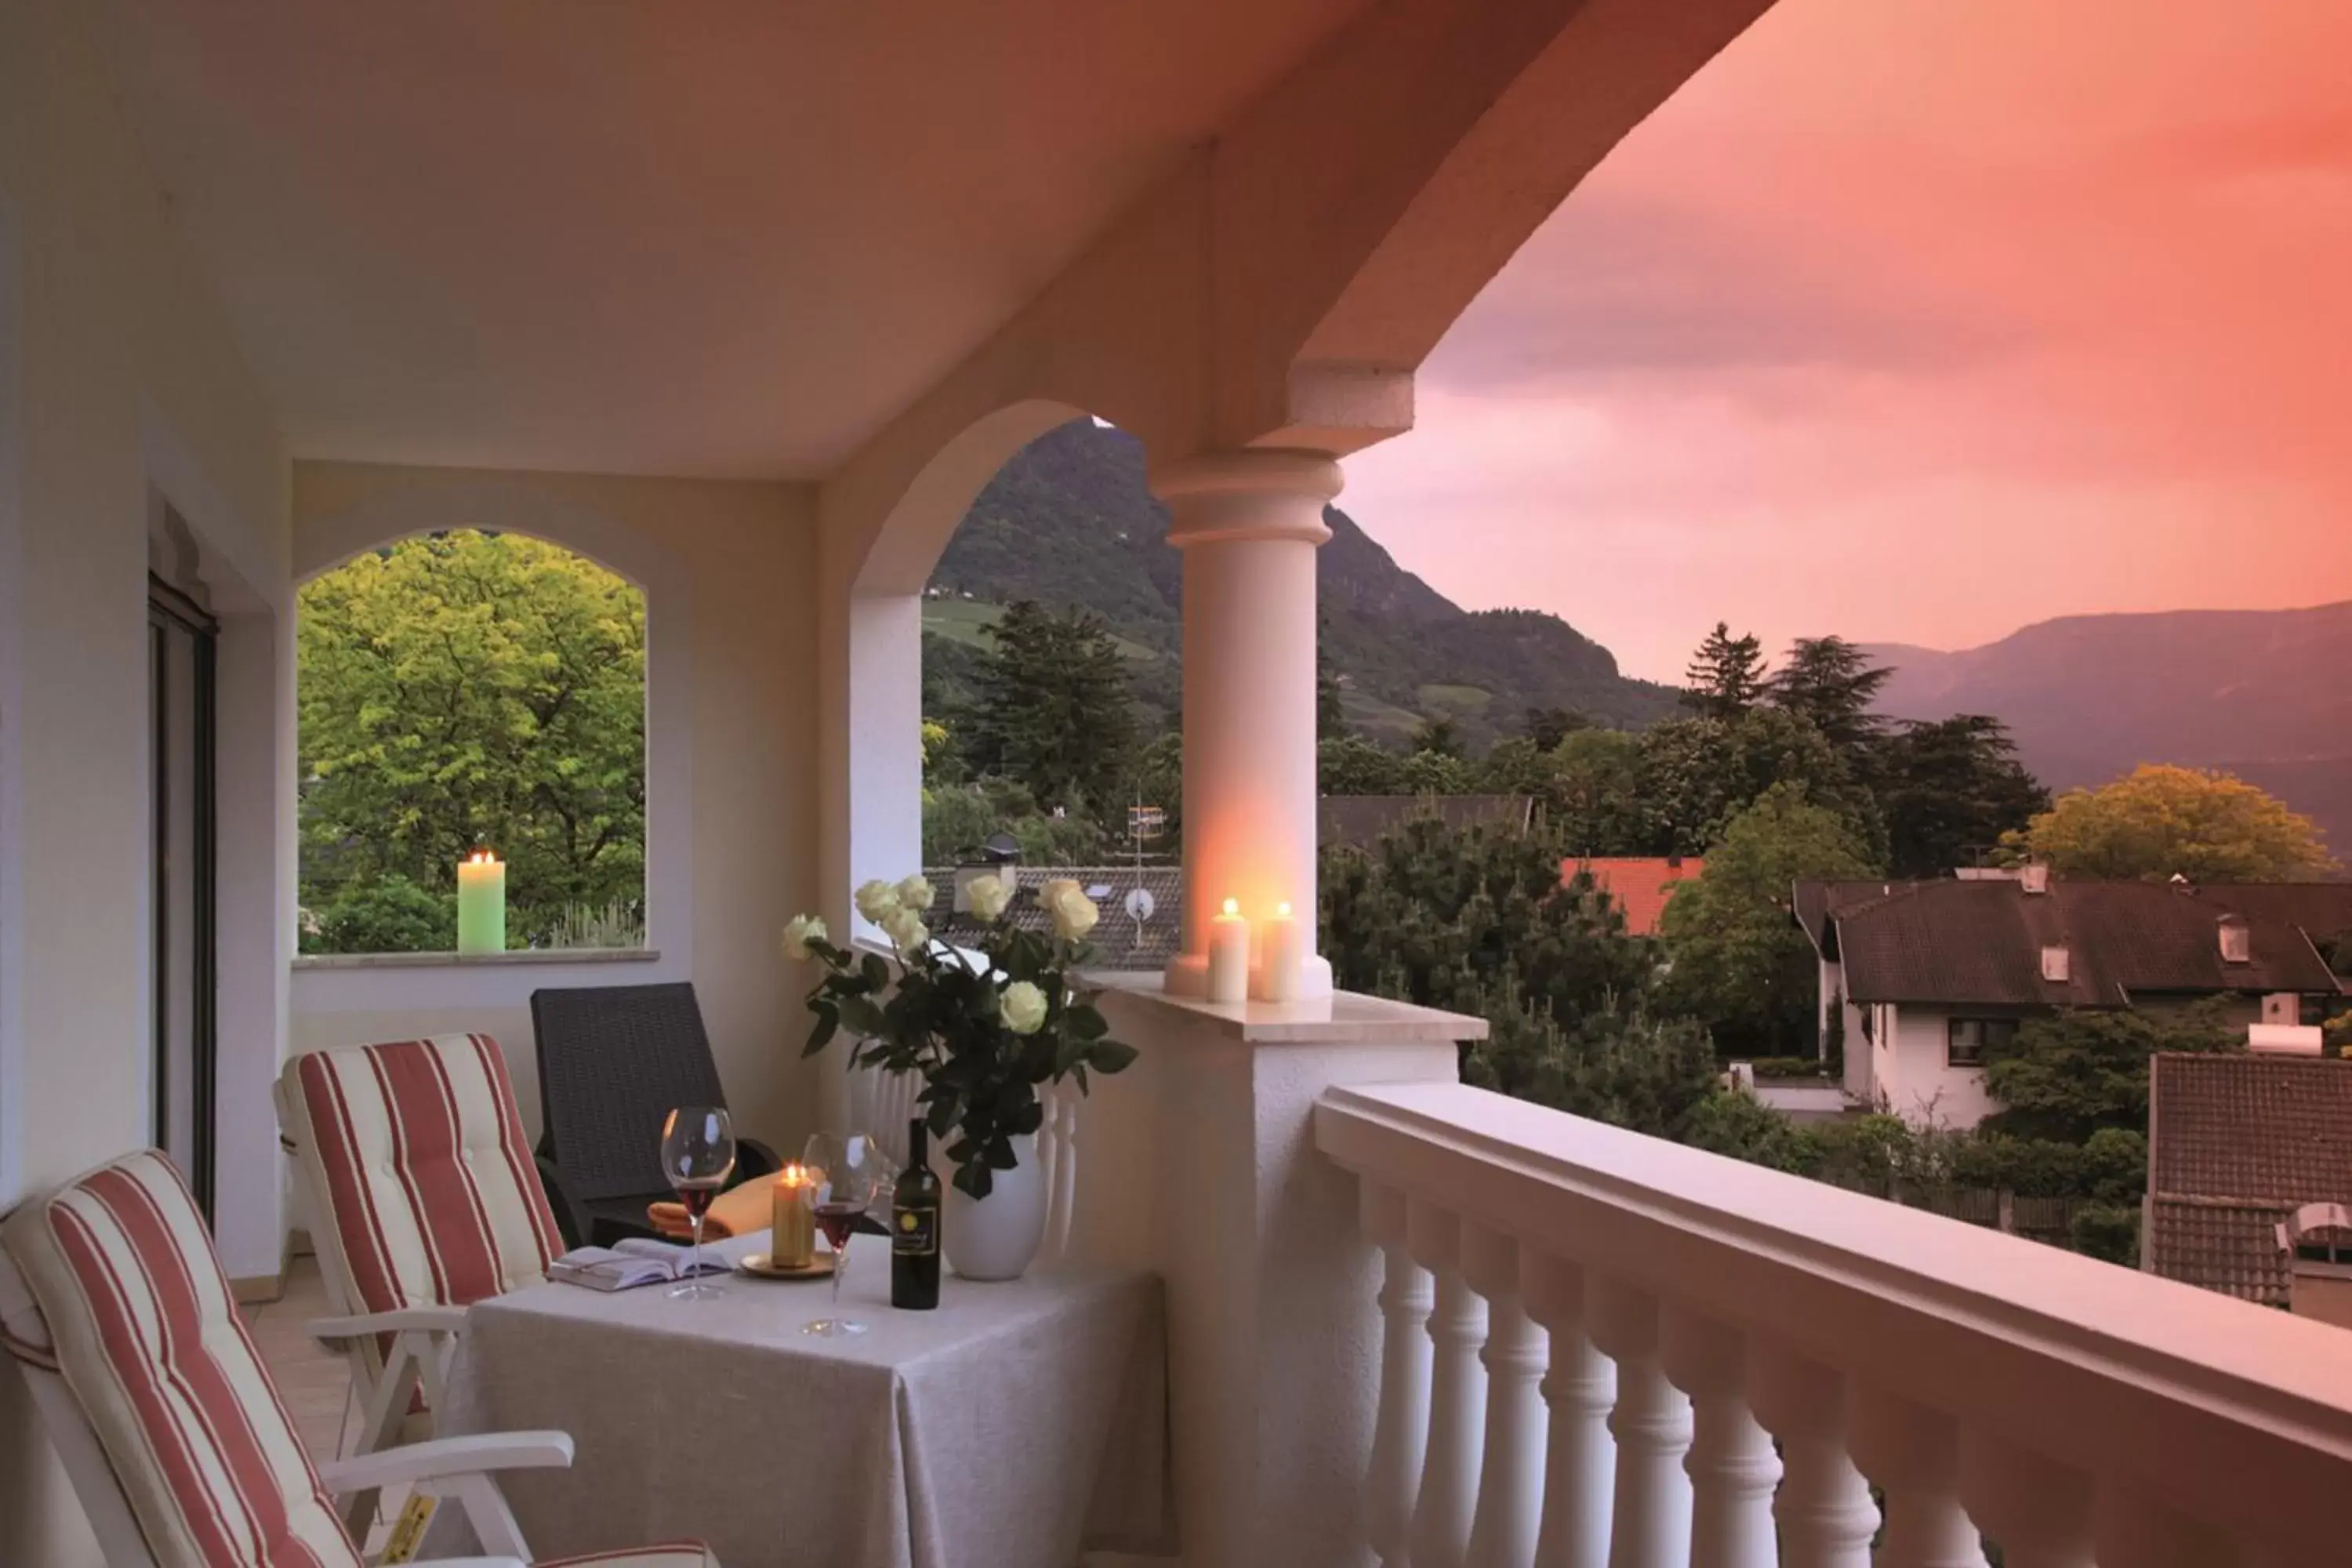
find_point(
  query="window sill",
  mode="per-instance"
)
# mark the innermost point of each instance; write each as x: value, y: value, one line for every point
x: 477, y: 960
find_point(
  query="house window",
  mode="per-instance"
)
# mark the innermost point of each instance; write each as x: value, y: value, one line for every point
x: 1965, y: 1039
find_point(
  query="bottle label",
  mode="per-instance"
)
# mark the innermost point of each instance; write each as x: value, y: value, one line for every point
x: 914, y: 1233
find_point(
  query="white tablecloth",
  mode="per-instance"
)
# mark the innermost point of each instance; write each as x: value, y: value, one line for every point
x: 1012, y: 1426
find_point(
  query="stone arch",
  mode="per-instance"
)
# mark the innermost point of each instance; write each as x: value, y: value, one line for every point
x: 435, y: 505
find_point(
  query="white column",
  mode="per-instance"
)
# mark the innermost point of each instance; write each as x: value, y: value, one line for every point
x: 2038, y: 1509
x: 1581, y: 1386
x: 1914, y: 1453
x: 1731, y: 1465
x: 1823, y: 1507
x: 1393, y: 1482
x: 1457, y: 1394
x: 1510, y: 1482
x: 1651, y: 1517
x: 1248, y: 524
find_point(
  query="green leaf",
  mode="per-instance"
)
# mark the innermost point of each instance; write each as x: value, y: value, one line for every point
x: 829, y: 1022
x: 1110, y: 1055
x: 874, y: 973
x: 1084, y: 1023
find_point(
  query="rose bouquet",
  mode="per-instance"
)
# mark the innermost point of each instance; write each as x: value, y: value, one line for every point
x: 985, y: 1025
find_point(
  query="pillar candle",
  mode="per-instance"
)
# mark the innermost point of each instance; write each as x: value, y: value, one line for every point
x: 1229, y: 955
x: 481, y: 903
x: 1282, y: 953
x: 791, y: 1242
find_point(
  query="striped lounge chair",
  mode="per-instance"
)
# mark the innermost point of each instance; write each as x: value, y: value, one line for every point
x: 114, y: 1305
x: 423, y: 1200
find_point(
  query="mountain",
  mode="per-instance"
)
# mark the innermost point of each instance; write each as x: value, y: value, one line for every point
x: 1069, y: 522
x: 2266, y: 694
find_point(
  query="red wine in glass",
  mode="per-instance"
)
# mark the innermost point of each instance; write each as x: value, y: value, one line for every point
x: 697, y: 1199
x: 698, y: 1155
x: 849, y: 1170
x: 838, y: 1221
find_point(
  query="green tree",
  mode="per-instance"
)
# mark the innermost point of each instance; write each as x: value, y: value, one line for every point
x: 1831, y: 683
x: 1740, y: 964
x: 1350, y: 764
x: 1696, y: 774
x: 1545, y: 727
x: 1629, y: 1069
x: 1597, y: 795
x: 958, y: 818
x: 1052, y: 707
x: 1439, y: 735
x: 1725, y: 677
x: 470, y: 690
x: 1950, y: 790
x: 2160, y: 822
x: 2065, y: 1077
x: 1330, y: 712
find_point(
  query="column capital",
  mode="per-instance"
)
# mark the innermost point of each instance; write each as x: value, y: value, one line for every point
x: 1272, y: 493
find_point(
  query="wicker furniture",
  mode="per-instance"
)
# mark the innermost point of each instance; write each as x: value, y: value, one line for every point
x: 614, y: 1060
x: 114, y: 1306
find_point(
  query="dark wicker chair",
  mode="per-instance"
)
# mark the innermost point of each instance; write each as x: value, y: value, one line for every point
x: 614, y: 1060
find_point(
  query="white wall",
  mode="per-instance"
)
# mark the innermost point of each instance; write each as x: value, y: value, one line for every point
x: 128, y: 385
x: 1916, y: 1083
x: 729, y: 572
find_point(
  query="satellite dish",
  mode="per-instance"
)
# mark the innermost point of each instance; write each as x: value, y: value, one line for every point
x: 1140, y: 904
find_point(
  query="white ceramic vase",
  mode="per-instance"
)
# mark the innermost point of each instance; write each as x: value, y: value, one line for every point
x: 997, y: 1236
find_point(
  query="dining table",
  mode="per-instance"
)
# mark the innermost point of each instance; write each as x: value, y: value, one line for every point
x: 1016, y: 1426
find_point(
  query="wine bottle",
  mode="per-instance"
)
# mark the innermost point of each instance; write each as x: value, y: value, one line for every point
x: 914, y: 1228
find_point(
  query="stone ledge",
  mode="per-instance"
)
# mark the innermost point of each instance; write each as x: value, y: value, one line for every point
x: 477, y: 960
x: 1344, y: 1019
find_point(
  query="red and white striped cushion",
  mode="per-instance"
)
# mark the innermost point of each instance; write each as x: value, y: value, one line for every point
x: 683, y: 1554
x: 418, y: 1152
x: 141, y: 1322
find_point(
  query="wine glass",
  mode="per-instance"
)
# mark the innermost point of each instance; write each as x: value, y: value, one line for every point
x: 698, y: 1155
x: 848, y: 1171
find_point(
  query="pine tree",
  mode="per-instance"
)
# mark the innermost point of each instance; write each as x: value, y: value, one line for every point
x: 1726, y: 675
x: 1831, y: 683
x: 1052, y: 710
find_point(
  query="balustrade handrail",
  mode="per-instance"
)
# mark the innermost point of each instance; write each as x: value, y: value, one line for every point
x: 2236, y: 1415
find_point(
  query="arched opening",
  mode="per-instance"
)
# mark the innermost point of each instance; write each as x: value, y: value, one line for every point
x: 462, y: 691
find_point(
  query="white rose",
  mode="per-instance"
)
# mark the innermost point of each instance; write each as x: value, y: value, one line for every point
x: 804, y: 930
x: 875, y: 900
x: 915, y: 893
x: 906, y: 928
x: 988, y: 896
x: 1024, y: 1007
x: 1074, y: 914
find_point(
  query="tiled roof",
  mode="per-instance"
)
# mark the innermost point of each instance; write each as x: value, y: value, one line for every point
x: 1981, y: 942
x: 1121, y: 942
x: 2236, y: 1144
x: 1363, y: 819
x: 1639, y: 884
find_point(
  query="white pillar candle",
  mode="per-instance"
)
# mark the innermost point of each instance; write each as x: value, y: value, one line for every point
x: 1229, y: 954
x: 1281, y: 956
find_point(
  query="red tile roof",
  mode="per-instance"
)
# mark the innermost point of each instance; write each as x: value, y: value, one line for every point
x: 1641, y: 885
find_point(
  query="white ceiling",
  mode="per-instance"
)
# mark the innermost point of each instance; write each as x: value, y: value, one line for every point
x: 725, y: 237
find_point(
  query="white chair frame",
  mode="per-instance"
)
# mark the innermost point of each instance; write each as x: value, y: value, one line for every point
x: 460, y: 1469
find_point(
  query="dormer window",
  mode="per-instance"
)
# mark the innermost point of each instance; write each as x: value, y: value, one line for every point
x: 2237, y: 941
x: 2057, y: 964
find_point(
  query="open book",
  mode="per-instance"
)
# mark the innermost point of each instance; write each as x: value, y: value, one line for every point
x: 639, y: 1260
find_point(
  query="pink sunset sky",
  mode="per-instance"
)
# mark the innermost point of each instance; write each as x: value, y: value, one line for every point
x: 1918, y: 321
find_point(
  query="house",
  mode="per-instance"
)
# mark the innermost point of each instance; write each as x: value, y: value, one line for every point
x: 1918, y: 978
x: 748, y: 302
x: 2249, y: 1168
x: 1640, y: 885
x: 1361, y: 821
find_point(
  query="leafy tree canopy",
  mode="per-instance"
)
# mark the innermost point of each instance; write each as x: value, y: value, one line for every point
x: 2068, y: 1077
x: 2162, y: 821
x: 1740, y: 964
x: 1950, y: 790
x: 463, y: 691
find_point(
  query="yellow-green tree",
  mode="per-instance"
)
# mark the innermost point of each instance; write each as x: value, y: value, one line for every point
x: 461, y: 690
x: 2161, y: 821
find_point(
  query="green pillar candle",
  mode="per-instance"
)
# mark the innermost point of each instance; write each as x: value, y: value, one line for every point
x: 481, y: 903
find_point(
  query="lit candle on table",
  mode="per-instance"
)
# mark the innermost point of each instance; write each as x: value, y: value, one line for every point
x: 791, y: 1242
x: 481, y: 903
x: 1229, y: 954
x: 1282, y: 953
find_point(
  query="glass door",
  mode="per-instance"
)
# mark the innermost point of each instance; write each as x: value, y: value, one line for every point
x: 181, y: 640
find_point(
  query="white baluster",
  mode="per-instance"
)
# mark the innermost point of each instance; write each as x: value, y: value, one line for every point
x: 2136, y: 1530
x: 1063, y: 1174
x: 1393, y: 1480
x: 1510, y: 1483
x: 1914, y: 1453
x: 2038, y: 1512
x: 1581, y: 1386
x: 1457, y: 1394
x: 1731, y: 1465
x: 1823, y: 1507
x: 1651, y: 1517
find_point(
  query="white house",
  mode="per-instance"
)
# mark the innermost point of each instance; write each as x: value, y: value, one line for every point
x: 1919, y: 979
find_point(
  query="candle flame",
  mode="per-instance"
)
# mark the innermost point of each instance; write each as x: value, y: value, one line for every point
x: 1233, y: 906
x: 481, y: 857
x: 1283, y: 909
